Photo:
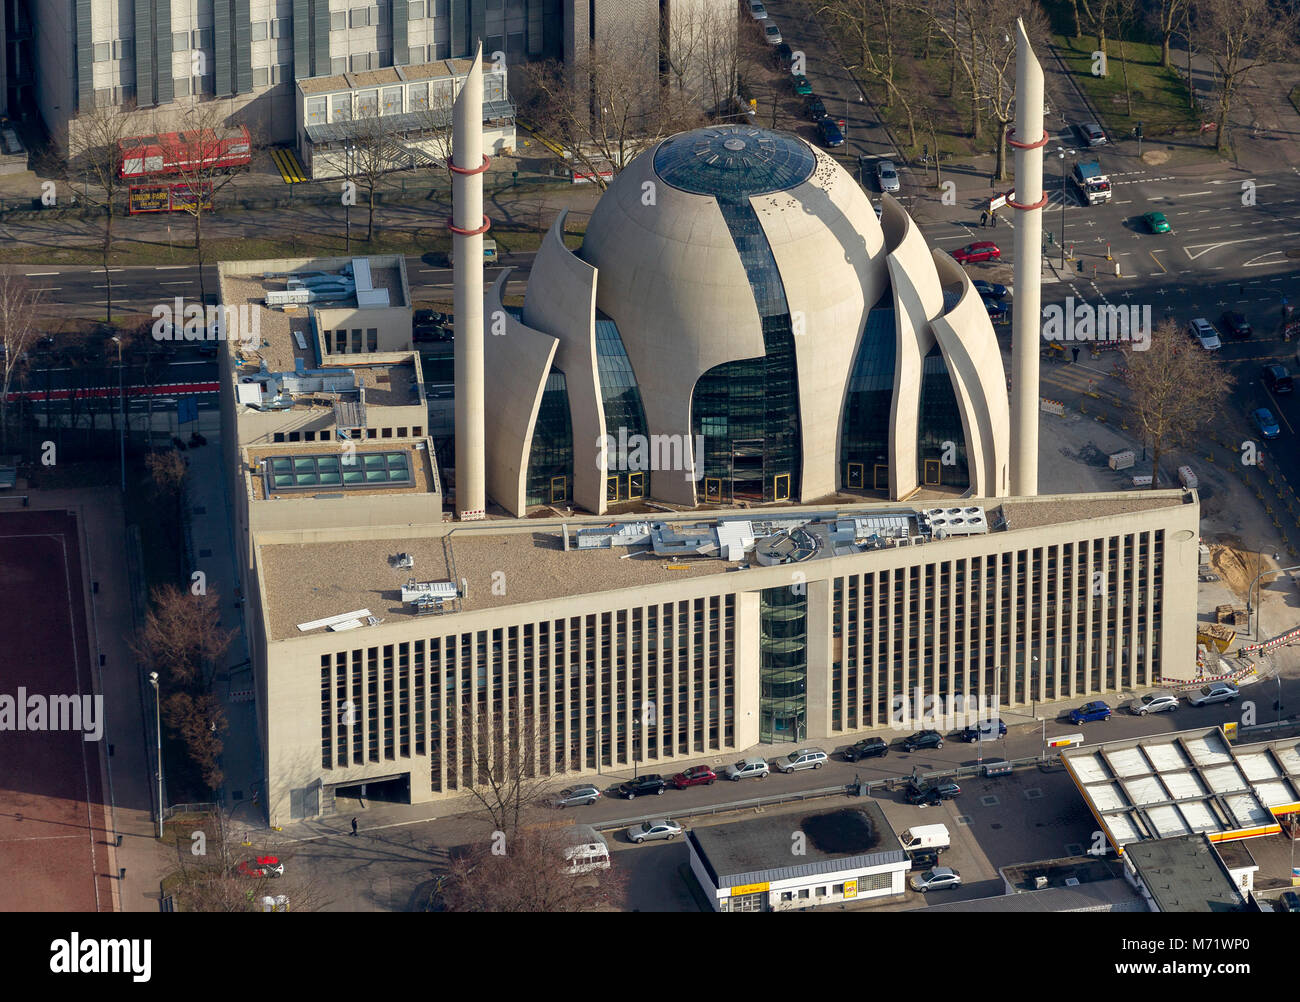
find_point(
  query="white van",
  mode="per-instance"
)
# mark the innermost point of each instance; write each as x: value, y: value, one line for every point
x: 934, y: 837
x: 585, y: 850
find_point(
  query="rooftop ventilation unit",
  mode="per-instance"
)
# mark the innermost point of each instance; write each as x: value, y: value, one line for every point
x: 401, y: 560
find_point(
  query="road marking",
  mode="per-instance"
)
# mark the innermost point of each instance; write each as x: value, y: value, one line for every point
x: 186, y: 282
x: 171, y: 267
x: 40, y: 274
x: 1203, y: 249
x: 1127, y: 201
x: 51, y: 288
x: 1192, y: 194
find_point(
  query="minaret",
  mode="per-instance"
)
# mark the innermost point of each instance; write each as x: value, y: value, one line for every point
x: 1028, y: 139
x: 468, y: 224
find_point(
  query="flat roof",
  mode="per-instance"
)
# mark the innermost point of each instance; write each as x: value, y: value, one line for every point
x: 424, y: 478
x: 1067, y: 872
x: 758, y: 850
x: 1185, y: 874
x: 1187, y: 782
x: 353, y: 574
x: 1110, y: 895
x: 389, y: 75
x: 1027, y: 513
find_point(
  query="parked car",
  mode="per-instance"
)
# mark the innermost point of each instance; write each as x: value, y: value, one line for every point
x: 828, y: 133
x: 866, y: 748
x: 643, y: 786
x: 1235, y: 325
x: 262, y: 866
x: 937, y: 878
x: 1091, y: 134
x: 771, y: 33
x: 1215, y: 692
x: 924, y: 859
x: 990, y: 290
x: 1266, y: 422
x: 801, y: 85
x: 1096, y: 710
x: 814, y: 109
x: 1156, y: 222
x: 997, y: 311
x: 887, y: 175
x: 1277, y: 379
x: 746, y: 768
x: 651, y: 831
x: 1153, y: 702
x: 696, y: 775
x: 803, y: 758
x: 1203, y: 332
x: 981, y: 250
x: 757, y: 11
x: 989, y: 730
x: 783, y: 56
x: 577, y: 796
x: 931, y: 794
x: 1289, y: 902
x: 922, y: 739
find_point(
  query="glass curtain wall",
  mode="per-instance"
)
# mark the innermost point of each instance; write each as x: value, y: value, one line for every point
x: 941, y: 442
x: 627, y: 465
x: 864, y: 442
x: 783, y: 665
x: 550, y: 460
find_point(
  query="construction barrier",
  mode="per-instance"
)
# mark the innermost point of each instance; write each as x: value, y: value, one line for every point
x: 1051, y: 406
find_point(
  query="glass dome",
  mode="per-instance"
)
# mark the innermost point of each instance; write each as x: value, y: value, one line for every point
x: 734, y: 161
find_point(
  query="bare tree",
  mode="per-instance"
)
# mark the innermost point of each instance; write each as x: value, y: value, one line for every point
x: 961, y: 25
x: 526, y: 873
x: 504, y: 748
x: 94, y: 154
x: 875, y: 28
x: 19, y: 302
x: 999, y: 29
x: 1175, y: 390
x: 373, y: 157
x: 1239, y: 36
x: 182, y: 633
x: 1167, y: 17
x: 1098, y: 14
x: 197, y: 158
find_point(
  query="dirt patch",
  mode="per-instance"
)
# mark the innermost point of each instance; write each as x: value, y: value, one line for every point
x: 1237, y: 567
x: 1154, y: 158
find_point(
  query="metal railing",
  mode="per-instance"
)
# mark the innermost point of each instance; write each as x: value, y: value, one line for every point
x: 175, y: 809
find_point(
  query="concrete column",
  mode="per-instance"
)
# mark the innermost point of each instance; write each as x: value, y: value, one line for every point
x: 1025, y: 311
x: 468, y: 226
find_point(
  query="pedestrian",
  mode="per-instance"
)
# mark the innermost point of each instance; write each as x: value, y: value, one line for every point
x: 1075, y: 349
x: 354, y: 827
x: 993, y: 219
x: 984, y: 217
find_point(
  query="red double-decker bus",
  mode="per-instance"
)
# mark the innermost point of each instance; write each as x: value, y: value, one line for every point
x: 175, y: 152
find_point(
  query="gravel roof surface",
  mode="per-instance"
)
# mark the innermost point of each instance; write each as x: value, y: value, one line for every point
x: 1057, y: 511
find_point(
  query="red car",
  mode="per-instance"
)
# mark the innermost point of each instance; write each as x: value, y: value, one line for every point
x: 696, y: 775
x: 984, y: 250
x: 263, y: 866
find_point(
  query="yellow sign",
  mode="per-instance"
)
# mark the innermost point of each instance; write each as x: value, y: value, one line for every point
x: 1230, y: 730
x: 749, y: 889
x: 850, y: 888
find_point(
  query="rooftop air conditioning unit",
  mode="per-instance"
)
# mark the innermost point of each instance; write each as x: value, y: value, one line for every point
x: 1040, y: 883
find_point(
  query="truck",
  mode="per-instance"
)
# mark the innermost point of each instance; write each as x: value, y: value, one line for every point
x: 166, y: 153
x: 1092, y: 185
x: 934, y: 837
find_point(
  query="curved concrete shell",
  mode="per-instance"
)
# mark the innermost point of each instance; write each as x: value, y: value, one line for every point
x: 519, y: 359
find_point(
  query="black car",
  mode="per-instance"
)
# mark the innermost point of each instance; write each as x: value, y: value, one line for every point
x: 782, y: 55
x: 828, y: 133
x: 814, y: 109
x: 971, y: 734
x: 643, y: 786
x: 931, y: 794
x: 922, y: 739
x: 866, y: 748
x: 1235, y: 325
x: 1289, y: 902
x: 923, y: 859
x: 1277, y: 379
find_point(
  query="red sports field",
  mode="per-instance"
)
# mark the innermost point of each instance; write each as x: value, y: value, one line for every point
x: 53, y: 821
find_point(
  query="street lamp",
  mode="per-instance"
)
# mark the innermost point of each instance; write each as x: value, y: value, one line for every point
x: 121, y: 404
x: 153, y: 681
x: 349, y: 150
x: 1259, y: 564
x: 1061, y: 151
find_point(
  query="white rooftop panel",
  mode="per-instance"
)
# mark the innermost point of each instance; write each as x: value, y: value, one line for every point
x: 316, y: 624
x: 1274, y: 793
x: 347, y: 624
x: 1208, y: 750
x: 1167, y: 821
x: 1248, y: 809
x: 361, y: 274
x: 1289, y: 756
x: 1146, y: 790
x: 1128, y: 762
x: 1090, y: 768
x: 1107, y: 797
x: 1183, y: 784
x: 1122, y: 828
x: 735, y: 534
x: 1200, y: 817
x: 1166, y: 755
x: 1224, y: 778
x: 1257, y: 766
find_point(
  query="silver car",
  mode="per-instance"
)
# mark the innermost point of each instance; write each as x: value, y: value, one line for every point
x: 1153, y: 702
x: 771, y: 32
x: 936, y: 879
x: 804, y: 758
x: 887, y: 175
x: 746, y: 768
x: 757, y: 11
x: 1205, y: 334
x: 649, y: 831
x: 576, y: 796
x: 1215, y: 692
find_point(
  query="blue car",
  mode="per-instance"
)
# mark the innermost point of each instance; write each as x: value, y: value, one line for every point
x: 1266, y: 423
x: 990, y: 290
x: 1096, y: 710
x: 829, y: 134
x: 997, y: 311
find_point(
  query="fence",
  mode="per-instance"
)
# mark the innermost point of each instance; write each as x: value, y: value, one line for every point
x: 176, y: 809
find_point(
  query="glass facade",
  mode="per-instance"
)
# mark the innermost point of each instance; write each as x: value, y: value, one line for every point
x: 550, y: 460
x: 341, y: 471
x: 627, y: 467
x: 748, y: 411
x: 864, y: 439
x: 734, y: 161
x: 783, y: 664
x: 941, y: 440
